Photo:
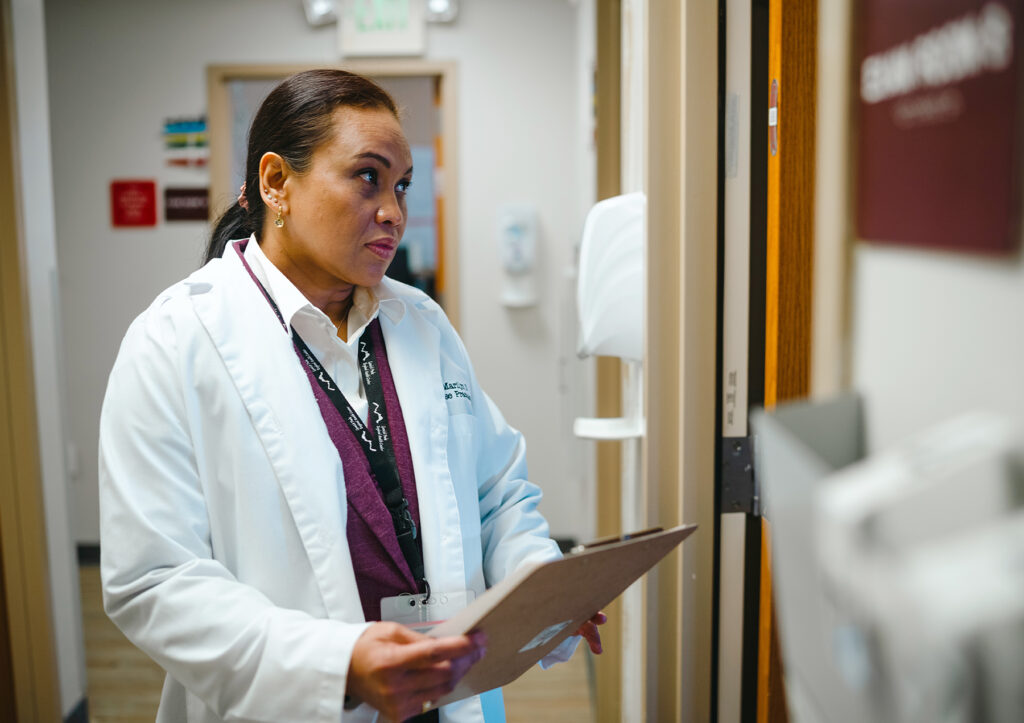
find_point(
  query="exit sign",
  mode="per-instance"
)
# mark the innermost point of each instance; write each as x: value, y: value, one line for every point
x: 382, y: 28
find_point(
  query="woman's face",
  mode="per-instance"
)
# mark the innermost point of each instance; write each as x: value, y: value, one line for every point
x: 346, y: 214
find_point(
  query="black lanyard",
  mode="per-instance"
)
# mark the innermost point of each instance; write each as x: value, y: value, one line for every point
x: 378, y: 447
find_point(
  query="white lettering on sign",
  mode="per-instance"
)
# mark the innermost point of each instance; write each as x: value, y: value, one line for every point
x: 186, y: 202
x: 960, y: 49
x: 133, y: 201
x: 941, y: 106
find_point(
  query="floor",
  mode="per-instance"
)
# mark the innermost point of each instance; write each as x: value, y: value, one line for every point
x: 124, y: 684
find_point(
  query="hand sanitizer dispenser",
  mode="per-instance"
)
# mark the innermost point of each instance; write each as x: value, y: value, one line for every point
x: 517, y: 242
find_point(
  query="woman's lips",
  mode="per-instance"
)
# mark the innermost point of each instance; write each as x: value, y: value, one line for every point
x: 383, y: 248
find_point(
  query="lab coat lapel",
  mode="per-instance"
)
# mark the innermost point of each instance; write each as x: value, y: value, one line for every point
x: 413, y: 345
x: 259, y: 356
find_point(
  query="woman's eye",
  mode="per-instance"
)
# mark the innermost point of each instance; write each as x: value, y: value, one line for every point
x: 403, y: 186
x: 369, y: 175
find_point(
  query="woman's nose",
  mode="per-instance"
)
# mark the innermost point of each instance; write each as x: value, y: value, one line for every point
x: 390, y: 212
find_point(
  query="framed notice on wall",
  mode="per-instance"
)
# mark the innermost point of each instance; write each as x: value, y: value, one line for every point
x: 132, y: 203
x: 938, y: 123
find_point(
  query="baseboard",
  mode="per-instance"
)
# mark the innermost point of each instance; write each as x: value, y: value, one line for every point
x: 80, y: 713
x: 88, y: 554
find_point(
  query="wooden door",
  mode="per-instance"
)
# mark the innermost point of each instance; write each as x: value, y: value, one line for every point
x: 792, y: 64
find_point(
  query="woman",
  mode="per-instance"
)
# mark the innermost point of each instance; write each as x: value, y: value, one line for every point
x: 289, y: 440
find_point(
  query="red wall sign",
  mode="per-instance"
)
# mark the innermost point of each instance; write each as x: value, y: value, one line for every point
x: 938, y: 137
x: 133, y: 203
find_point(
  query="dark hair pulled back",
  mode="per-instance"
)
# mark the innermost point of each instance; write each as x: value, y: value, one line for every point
x: 293, y: 120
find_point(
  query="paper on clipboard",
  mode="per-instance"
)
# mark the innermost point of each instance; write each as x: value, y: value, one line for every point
x: 532, y: 611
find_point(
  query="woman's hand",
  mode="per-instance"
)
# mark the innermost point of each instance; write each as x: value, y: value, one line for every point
x: 590, y: 632
x: 396, y: 670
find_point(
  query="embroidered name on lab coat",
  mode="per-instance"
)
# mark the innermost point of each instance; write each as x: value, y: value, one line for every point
x: 457, y: 390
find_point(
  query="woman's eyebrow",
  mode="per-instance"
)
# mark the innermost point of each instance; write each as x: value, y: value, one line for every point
x: 378, y: 157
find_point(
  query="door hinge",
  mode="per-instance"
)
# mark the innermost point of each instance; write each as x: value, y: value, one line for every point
x: 740, y: 492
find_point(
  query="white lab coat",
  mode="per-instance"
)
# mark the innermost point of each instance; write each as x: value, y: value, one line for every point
x: 223, y: 509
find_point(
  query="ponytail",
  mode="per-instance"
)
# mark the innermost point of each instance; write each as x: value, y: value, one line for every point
x: 234, y: 224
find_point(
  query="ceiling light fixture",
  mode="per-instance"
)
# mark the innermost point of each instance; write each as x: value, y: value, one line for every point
x: 320, y: 12
x: 442, y: 11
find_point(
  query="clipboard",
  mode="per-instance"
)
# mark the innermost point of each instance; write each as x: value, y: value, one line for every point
x: 529, y: 613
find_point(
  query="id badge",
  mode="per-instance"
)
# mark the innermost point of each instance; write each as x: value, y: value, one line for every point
x: 420, y: 613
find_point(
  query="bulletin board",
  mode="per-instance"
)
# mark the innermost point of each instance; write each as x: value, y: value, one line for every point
x: 425, y: 93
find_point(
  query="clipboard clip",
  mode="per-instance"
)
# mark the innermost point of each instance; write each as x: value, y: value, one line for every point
x: 613, y: 539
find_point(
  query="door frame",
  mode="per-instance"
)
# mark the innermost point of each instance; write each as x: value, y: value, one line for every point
x: 681, y: 372
x: 219, y: 127
x: 31, y: 680
x: 608, y: 395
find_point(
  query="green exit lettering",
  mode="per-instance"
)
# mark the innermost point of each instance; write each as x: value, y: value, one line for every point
x: 381, y: 15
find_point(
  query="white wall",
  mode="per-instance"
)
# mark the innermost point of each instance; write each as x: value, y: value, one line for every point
x: 519, y: 141
x: 935, y: 334
x: 119, y: 67
x: 36, y: 202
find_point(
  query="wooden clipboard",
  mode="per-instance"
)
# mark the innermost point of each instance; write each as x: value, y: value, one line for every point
x: 533, y: 610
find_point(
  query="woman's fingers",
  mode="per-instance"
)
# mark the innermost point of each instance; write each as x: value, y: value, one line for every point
x: 425, y: 651
x: 590, y: 632
x: 430, y: 671
x: 396, y: 670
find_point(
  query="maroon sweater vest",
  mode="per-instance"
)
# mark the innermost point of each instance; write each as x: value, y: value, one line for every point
x: 381, y: 569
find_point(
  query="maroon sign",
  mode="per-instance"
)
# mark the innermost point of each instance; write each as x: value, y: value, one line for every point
x: 938, y: 138
x: 186, y: 204
x: 133, y: 203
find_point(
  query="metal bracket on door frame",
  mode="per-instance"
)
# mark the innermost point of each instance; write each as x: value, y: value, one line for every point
x: 740, y: 491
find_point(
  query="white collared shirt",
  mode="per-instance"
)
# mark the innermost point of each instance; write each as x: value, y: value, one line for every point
x: 316, y: 328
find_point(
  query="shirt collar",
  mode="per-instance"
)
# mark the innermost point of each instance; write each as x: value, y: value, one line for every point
x: 365, y: 304
x: 391, y: 305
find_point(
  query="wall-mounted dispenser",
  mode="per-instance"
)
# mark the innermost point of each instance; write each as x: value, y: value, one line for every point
x: 517, y: 244
x: 610, y: 297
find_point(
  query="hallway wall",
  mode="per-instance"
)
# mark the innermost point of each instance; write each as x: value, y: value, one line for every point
x: 118, y: 68
x: 935, y: 334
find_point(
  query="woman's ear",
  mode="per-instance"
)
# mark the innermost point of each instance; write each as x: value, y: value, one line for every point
x: 274, y: 171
